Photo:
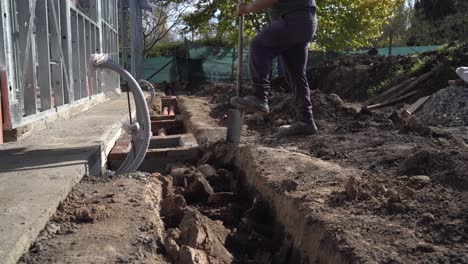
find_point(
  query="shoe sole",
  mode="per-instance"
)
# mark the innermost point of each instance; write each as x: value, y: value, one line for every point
x: 246, y: 105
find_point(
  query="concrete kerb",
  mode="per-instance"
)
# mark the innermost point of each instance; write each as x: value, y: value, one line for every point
x: 283, y: 180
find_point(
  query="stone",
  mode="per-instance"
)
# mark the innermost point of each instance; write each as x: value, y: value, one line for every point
x: 172, y: 248
x: 207, y: 170
x: 353, y: 186
x: 200, y: 232
x: 427, y: 218
x: 52, y: 228
x: 324, y: 152
x: 425, y: 247
x: 189, y: 255
x: 179, y: 191
x: 168, y: 187
x: 414, y: 124
x: 420, y: 179
x: 172, y: 210
x: 198, y: 189
x: 180, y: 175
x: 280, y: 122
x: 221, y: 198
x: 336, y: 100
x: 207, y: 157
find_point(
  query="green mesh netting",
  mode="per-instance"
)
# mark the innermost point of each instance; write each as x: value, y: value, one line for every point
x: 219, y: 64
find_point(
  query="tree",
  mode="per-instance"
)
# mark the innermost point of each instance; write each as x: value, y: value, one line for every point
x: 217, y: 19
x: 343, y: 24
x: 395, y: 33
x: 159, y: 23
x: 436, y: 9
x: 437, y: 22
x: 352, y: 24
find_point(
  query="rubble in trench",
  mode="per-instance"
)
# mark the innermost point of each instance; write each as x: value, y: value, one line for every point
x: 209, y: 218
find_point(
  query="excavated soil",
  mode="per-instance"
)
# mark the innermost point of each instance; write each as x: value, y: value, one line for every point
x: 411, y: 175
x: 104, y: 220
x: 210, y: 218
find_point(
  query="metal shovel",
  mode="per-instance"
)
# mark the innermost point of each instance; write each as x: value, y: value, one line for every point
x: 236, y: 116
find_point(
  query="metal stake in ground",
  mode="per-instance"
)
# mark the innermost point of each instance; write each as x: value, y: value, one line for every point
x: 236, y: 116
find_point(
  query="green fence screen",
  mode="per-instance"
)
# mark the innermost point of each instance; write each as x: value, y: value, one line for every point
x: 219, y: 64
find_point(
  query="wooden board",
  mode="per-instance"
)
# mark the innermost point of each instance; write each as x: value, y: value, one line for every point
x: 416, y: 105
x: 393, y: 101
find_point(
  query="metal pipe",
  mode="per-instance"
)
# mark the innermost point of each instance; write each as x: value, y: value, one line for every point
x: 151, y: 90
x: 141, y: 129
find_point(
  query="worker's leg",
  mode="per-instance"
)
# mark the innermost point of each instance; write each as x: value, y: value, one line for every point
x: 295, y: 65
x: 279, y: 36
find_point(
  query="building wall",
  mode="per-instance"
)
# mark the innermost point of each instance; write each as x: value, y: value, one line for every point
x: 46, y: 45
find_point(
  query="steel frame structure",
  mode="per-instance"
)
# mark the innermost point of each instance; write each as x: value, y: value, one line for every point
x: 45, y: 46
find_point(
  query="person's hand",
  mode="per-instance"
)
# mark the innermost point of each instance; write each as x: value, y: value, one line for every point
x: 243, y: 9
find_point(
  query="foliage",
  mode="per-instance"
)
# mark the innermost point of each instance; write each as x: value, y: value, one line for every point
x: 352, y: 24
x: 167, y: 49
x: 396, y: 32
x: 343, y: 24
x: 217, y: 20
x: 437, y: 22
x: 159, y: 23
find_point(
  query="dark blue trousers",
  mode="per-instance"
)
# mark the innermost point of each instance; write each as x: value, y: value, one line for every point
x: 289, y: 37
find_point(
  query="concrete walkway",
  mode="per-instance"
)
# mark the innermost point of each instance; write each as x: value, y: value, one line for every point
x: 38, y: 172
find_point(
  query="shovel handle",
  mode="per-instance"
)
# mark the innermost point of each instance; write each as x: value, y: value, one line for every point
x: 240, y: 44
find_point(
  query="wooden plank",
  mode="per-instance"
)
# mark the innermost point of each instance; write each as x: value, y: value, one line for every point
x: 393, y: 101
x: 413, y: 85
x: 415, y: 106
x: 381, y: 97
x: 4, y: 100
x: 1, y: 115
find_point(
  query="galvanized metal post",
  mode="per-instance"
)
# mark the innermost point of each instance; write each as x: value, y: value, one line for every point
x: 136, y: 35
x: 55, y: 54
x: 42, y: 38
x: 25, y: 42
x: 66, y: 29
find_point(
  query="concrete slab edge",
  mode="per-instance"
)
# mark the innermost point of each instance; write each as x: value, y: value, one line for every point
x: 62, y: 113
x: 95, y: 167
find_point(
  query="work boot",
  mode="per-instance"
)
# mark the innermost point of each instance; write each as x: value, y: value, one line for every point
x: 252, y: 103
x: 298, y: 128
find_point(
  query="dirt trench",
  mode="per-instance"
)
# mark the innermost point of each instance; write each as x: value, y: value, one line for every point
x: 218, y: 213
x: 207, y: 211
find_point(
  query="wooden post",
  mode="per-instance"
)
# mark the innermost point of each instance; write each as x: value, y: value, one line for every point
x: 390, y: 46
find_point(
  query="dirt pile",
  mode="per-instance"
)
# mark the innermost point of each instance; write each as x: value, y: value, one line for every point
x: 358, y: 77
x: 448, y: 107
x: 348, y: 76
x: 209, y: 220
x: 326, y: 107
